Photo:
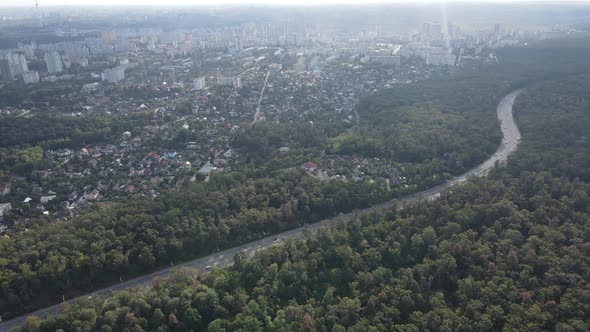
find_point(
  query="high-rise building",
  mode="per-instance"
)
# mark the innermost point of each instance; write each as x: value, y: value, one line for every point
x: 53, y: 62
x: 497, y: 28
x: 23, y: 62
x: 151, y: 44
x: 237, y: 44
x: 199, y: 83
x: 18, y: 64
x: 237, y: 83
x: 113, y: 75
x: 451, y: 29
x: 31, y: 77
x: 108, y: 36
x: 171, y: 37
x: 5, y: 69
x: 67, y: 62
x: 29, y: 51
x: 436, y: 28
x: 234, y: 82
x: 386, y: 59
x: 121, y: 45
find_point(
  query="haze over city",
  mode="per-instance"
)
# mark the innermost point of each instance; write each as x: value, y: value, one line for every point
x: 9, y: 3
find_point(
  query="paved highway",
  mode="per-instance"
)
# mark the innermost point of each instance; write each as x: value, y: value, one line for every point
x: 510, y: 141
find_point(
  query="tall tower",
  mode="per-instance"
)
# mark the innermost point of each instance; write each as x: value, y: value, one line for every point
x: 38, y: 13
x: 497, y: 28
x: 286, y: 34
x: 238, y: 43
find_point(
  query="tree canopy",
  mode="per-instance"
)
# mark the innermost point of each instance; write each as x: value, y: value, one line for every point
x: 508, y: 252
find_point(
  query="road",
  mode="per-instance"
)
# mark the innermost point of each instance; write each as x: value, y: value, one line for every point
x: 23, y: 113
x: 510, y: 141
x: 258, y: 105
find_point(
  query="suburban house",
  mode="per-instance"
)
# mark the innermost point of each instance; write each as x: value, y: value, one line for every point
x: 4, y: 190
x: 4, y: 207
x: 229, y: 154
x: 46, y: 199
x: 92, y: 196
x: 207, y: 169
x: 309, y: 167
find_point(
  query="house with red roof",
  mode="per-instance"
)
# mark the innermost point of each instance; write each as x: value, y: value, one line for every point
x: 309, y: 167
x: 4, y: 189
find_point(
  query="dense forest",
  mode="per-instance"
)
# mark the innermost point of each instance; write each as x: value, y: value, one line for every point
x: 430, y: 121
x: 23, y: 139
x: 50, y: 131
x: 47, y: 93
x: 441, y: 126
x: 509, y: 252
x: 426, y: 125
x: 51, y: 259
x: 48, y: 260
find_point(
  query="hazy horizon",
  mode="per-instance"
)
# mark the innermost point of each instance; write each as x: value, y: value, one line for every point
x: 80, y: 3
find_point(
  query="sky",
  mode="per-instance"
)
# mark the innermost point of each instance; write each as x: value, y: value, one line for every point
x: 25, y: 3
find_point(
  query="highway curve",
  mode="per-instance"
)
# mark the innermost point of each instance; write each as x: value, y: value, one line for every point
x: 509, y: 144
